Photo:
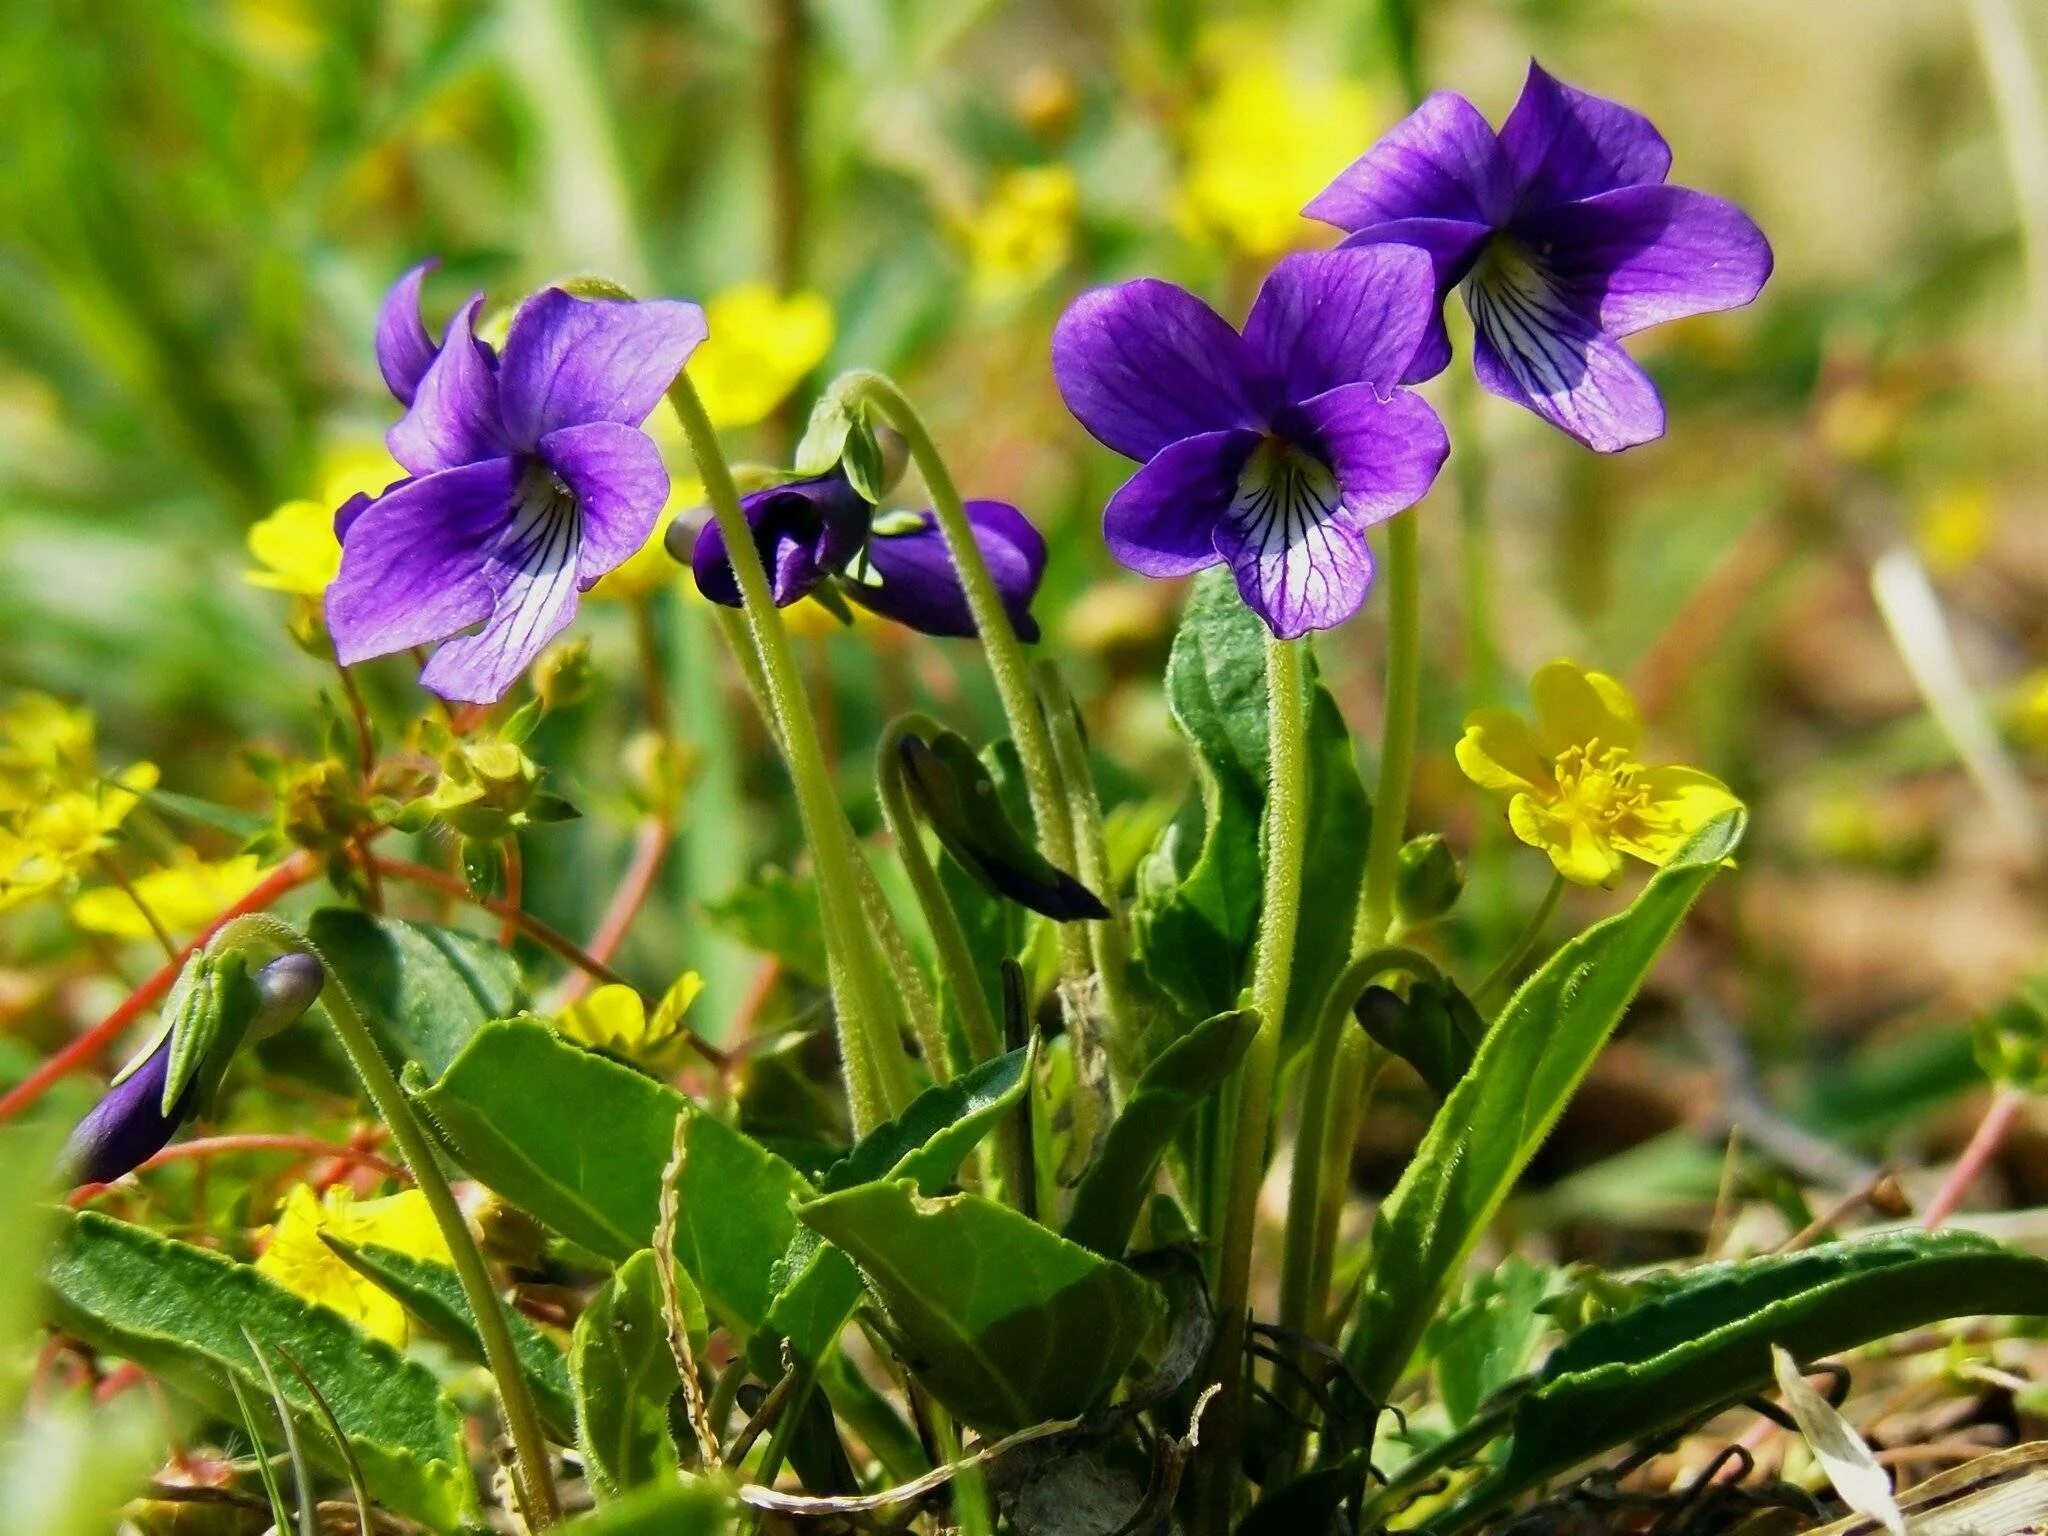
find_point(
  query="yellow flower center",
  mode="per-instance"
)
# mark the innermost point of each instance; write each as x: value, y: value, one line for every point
x: 1597, y: 784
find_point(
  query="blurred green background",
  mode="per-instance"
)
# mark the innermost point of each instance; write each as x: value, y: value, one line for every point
x: 201, y: 205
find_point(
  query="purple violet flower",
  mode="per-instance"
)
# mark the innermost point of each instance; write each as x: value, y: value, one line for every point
x: 530, y: 480
x: 895, y: 564
x: 1565, y: 238
x: 1272, y: 451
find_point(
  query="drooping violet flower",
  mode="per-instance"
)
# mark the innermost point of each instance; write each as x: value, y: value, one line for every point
x: 1565, y: 238
x: 530, y: 479
x: 1272, y: 451
x: 810, y: 532
x: 131, y: 1124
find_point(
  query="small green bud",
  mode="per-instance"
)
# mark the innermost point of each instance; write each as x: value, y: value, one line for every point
x: 562, y: 675
x: 1428, y: 879
x: 2012, y: 1039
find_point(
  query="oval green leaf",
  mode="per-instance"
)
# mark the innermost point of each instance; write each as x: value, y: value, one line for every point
x: 181, y: 1311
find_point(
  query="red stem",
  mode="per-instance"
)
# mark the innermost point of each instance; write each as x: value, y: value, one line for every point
x: 650, y: 850
x: 85, y: 1049
x: 1990, y: 1136
x: 532, y: 927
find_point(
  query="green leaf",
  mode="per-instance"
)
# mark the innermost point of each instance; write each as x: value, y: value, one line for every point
x: 432, y: 1296
x: 1707, y: 1340
x: 579, y: 1141
x: 1532, y: 1059
x: 926, y: 1143
x: 1489, y: 1338
x: 1198, y: 892
x: 695, y: 1506
x: 776, y: 914
x: 937, y: 1129
x: 1005, y: 1323
x: 625, y: 1376
x: 180, y: 1311
x: 243, y: 825
x: 1112, y: 1192
x: 423, y: 991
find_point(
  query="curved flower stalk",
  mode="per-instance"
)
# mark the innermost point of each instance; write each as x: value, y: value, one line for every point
x: 1564, y: 237
x: 530, y: 479
x: 820, y: 532
x: 1272, y: 451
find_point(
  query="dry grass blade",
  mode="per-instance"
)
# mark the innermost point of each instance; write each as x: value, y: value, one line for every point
x: 672, y: 1299
x: 1854, y: 1472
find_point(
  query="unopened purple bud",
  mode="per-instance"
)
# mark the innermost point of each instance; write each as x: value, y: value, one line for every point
x: 130, y: 1125
x: 287, y: 987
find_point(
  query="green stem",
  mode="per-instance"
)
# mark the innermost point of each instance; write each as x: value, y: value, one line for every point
x: 1402, y: 576
x: 1005, y: 651
x: 1285, y: 847
x: 956, y: 959
x: 522, y: 1421
x: 878, y: 1073
x: 1475, y: 542
x: 919, y: 1010
x: 1107, y: 939
x: 1331, y: 1082
x: 1510, y: 962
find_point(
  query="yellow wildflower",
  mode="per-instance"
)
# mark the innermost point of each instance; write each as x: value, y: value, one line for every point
x: 1952, y: 528
x: 295, y: 547
x: 1261, y: 142
x: 298, y: 1260
x: 649, y: 569
x: 44, y: 844
x: 613, y: 1018
x: 1023, y: 235
x: 2027, y: 711
x: 1580, y: 791
x: 182, y: 895
x: 43, y: 742
x: 759, y: 348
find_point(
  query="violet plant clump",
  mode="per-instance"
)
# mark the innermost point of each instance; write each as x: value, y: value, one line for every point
x: 955, y: 1213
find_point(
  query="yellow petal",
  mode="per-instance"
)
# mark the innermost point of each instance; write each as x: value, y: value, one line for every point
x: 1262, y: 141
x: 1578, y: 850
x: 183, y: 896
x: 1681, y: 801
x: 1498, y: 751
x: 1023, y: 234
x: 296, y: 549
x: 674, y: 1005
x: 611, y: 1017
x: 759, y: 348
x: 297, y: 1259
x: 1575, y: 708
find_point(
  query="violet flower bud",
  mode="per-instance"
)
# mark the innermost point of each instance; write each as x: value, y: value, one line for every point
x: 131, y: 1123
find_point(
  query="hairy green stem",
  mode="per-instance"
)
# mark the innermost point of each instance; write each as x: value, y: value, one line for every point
x: 919, y: 1010
x: 956, y: 960
x: 1402, y: 577
x: 878, y: 1072
x: 515, y: 1402
x: 1285, y: 847
x: 1005, y: 651
x: 1332, y: 1086
x: 1532, y: 934
x: 1107, y: 939
x: 1475, y: 542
